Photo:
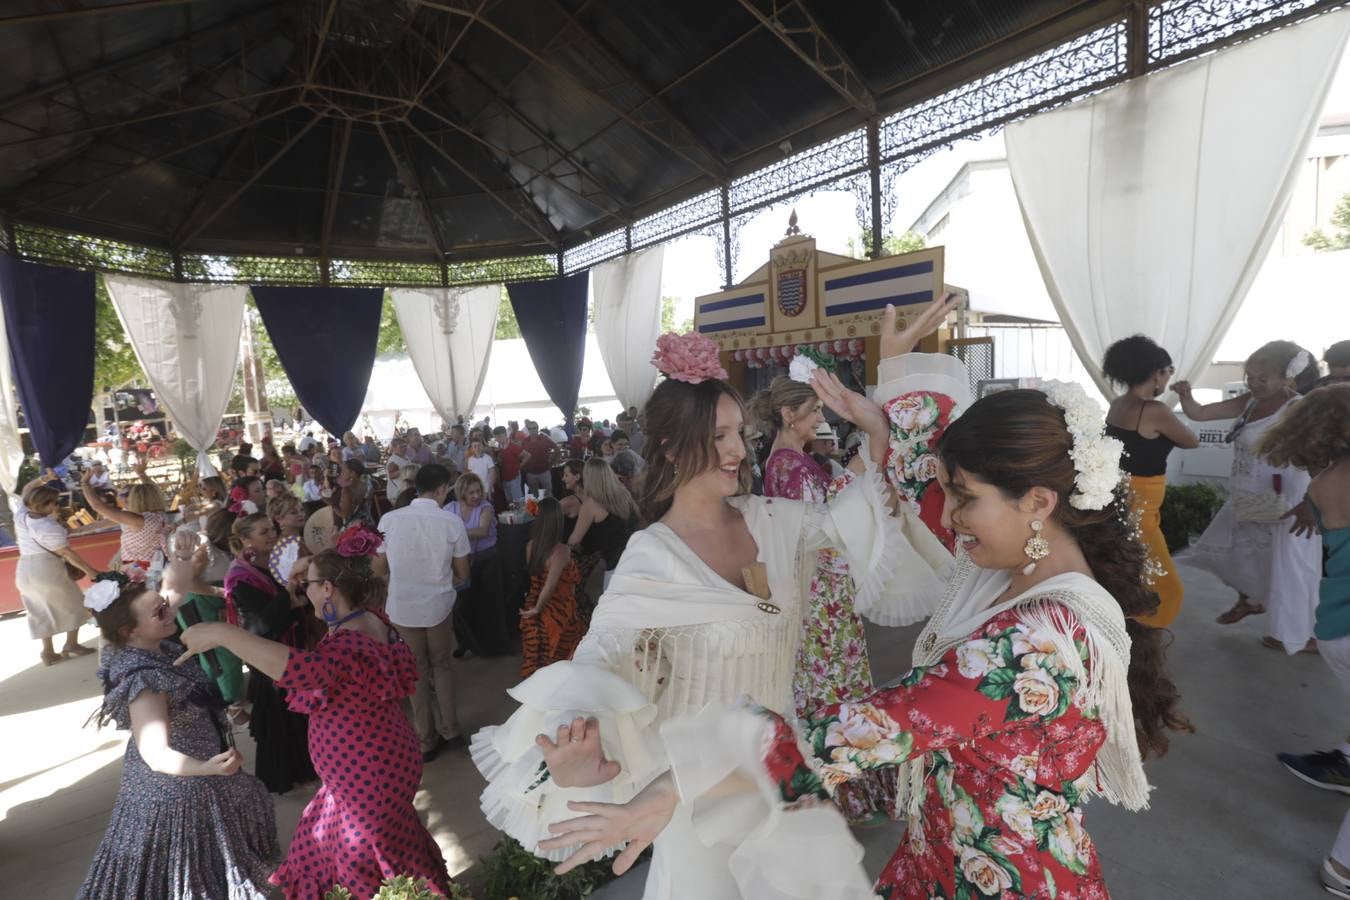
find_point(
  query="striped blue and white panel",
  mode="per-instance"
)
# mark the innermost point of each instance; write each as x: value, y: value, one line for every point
x: 871, y: 291
x: 731, y: 313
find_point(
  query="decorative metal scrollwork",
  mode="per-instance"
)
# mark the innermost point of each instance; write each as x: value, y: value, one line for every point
x: 1059, y: 74
x: 598, y: 249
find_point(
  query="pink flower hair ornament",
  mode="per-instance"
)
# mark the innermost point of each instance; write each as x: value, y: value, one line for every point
x: 358, y: 540
x: 691, y: 358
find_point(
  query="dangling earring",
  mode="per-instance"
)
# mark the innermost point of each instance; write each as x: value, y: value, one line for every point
x: 1037, y: 547
x: 329, y: 611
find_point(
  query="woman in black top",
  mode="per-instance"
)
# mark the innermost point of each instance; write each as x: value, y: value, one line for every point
x: 257, y: 603
x: 1149, y: 430
x: 608, y: 515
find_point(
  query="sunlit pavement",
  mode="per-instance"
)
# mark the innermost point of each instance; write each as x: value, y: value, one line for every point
x: 1226, y: 820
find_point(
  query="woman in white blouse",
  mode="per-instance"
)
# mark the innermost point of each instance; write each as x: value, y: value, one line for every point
x: 53, y: 602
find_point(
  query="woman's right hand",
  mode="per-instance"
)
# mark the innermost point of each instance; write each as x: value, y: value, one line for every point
x: 638, y: 822
x: 226, y: 763
x: 1183, y: 389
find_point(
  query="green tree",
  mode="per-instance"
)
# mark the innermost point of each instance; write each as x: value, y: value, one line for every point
x: 507, y: 326
x: 391, y: 336
x: 1340, y: 239
x: 668, y: 317
x: 115, y: 363
x: 891, y: 245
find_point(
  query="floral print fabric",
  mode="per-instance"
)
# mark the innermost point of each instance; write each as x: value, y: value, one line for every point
x: 918, y: 420
x: 832, y: 663
x: 1004, y: 745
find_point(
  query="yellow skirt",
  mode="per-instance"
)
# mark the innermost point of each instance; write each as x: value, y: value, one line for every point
x: 1148, y: 498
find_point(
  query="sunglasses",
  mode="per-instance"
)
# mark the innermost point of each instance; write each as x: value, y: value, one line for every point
x: 304, y: 585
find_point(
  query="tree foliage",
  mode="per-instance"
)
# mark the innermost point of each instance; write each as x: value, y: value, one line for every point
x: 668, y: 317
x: 115, y: 363
x: 1339, y: 239
x: 507, y: 326
x: 891, y: 245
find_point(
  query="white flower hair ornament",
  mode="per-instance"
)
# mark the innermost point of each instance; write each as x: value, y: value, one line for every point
x: 1302, y: 359
x: 802, y: 368
x: 807, y: 361
x: 106, y: 588
x: 1096, y: 457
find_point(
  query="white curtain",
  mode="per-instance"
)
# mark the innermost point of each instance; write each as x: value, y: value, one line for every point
x: 11, y: 444
x: 1151, y: 206
x: 449, y: 336
x: 627, y: 297
x: 186, y: 337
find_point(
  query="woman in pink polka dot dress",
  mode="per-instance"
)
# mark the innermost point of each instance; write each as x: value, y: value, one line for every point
x: 361, y: 827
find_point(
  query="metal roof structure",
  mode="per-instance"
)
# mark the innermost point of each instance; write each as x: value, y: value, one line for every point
x: 425, y: 141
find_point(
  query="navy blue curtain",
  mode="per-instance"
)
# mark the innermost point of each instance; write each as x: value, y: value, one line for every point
x: 325, y: 340
x: 552, y: 319
x: 49, y: 317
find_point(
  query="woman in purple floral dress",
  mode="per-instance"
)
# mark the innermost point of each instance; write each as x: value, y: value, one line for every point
x: 832, y: 663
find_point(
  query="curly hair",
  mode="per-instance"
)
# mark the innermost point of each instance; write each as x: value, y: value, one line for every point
x: 680, y: 442
x: 1314, y: 432
x: 1134, y: 360
x: 1017, y: 440
x: 352, y: 577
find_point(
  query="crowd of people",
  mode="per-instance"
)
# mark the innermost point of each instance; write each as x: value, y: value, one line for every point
x: 704, y: 550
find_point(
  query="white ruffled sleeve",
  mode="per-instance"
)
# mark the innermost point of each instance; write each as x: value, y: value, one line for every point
x: 520, y: 798
x: 899, y: 569
x: 934, y: 373
x: 784, y: 850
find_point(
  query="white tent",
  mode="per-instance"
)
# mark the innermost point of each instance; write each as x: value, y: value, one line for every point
x: 512, y: 390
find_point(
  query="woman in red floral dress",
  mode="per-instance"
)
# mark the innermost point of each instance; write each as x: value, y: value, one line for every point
x: 1019, y: 706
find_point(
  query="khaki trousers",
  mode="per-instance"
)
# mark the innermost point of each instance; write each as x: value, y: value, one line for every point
x: 433, y: 648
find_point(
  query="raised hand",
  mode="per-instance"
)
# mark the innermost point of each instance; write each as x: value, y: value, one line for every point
x: 848, y: 404
x: 638, y: 822
x: 1183, y: 389
x: 576, y: 758
x: 929, y: 319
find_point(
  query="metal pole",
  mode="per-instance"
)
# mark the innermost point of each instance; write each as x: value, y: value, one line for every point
x: 874, y: 173
x: 726, y: 236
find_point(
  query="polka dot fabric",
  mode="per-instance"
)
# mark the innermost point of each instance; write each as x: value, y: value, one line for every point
x: 361, y: 826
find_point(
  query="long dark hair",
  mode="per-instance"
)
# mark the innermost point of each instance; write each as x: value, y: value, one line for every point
x: 681, y: 422
x: 545, y: 534
x: 1017, y: 440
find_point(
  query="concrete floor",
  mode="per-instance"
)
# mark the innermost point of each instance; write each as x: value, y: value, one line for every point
x: 1226, y: 820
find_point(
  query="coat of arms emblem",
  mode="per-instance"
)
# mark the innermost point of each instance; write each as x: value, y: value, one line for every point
x: 792, y: 291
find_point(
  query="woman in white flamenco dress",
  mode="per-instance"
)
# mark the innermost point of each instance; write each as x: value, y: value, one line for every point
x: 707, y: 602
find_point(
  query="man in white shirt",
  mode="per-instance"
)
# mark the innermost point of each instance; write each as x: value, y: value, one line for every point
x: 306, y: 442
x: 428, y: 551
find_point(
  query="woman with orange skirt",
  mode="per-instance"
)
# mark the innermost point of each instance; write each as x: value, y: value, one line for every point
x: 1149, y: 430
x: 551, y: 623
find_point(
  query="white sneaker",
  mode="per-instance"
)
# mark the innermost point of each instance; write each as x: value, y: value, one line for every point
x: 1333, y: 882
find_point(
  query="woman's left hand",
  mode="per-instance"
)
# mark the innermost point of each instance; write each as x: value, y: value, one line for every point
x: 849, y: 404
x: 202, y: 637
x: 639, y: 822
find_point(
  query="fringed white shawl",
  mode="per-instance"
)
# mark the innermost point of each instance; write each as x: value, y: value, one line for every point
x: 1056, y: 607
